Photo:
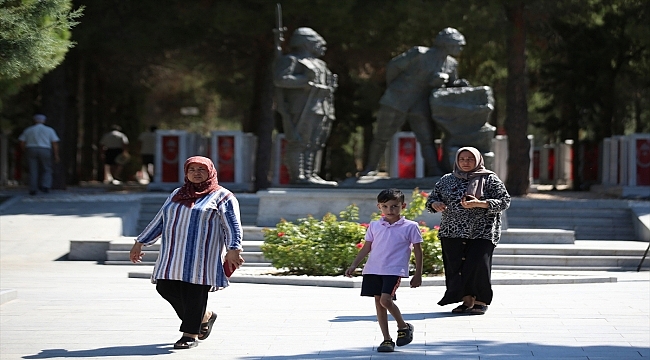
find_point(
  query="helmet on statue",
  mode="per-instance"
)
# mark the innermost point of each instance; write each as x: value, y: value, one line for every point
x: 304, y: 35
x: 449, y: 36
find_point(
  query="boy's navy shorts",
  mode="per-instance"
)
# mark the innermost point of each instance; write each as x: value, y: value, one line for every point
x: 375, y: 285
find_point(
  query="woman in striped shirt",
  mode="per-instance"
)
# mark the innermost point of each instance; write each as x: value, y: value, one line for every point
x: 200, y: 230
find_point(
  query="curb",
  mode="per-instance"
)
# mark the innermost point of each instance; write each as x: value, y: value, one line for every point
x: 343, y: 282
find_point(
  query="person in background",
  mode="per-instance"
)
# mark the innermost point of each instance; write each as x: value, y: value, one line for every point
x: 200, y: 236
x: 471, y: 200
x: 147, y: 147
x: 40, y: 142
x: 114, y: 144
x: 389, y: 242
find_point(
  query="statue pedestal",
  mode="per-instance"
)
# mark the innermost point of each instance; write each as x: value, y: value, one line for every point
x: 293, y: 204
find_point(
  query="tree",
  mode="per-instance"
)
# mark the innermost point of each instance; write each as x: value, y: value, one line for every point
x: 34, y: 38
x: 516, y: 122
x: 594, y: 72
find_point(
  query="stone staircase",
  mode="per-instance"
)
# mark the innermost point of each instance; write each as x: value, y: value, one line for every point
x: 603, y: 236
x: 149, y: 206
x: 541, y: 235
x: 590, y: 219
x: 582, y: 255
x: 118, y: 250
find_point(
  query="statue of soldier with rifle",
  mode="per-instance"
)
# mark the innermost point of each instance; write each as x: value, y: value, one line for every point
x: 305, y: 100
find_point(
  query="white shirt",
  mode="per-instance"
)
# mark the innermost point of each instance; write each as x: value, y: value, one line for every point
x: 114, y: 140
x: 39, y: 135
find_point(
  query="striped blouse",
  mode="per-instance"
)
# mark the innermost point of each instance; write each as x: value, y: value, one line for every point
x: 193, y: 240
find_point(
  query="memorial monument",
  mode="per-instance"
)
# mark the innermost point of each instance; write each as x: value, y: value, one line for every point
x: 305, y: 100
x: 423, y: 88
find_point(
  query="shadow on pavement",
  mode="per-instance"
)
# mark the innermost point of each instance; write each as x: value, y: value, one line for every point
x: 479, y: 349
x: 136, y: 350
x: 413, y: 316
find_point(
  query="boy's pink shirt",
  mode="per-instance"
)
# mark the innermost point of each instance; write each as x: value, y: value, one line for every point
x: 391, y: 246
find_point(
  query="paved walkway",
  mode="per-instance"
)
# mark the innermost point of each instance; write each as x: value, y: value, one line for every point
x: 82, y: 310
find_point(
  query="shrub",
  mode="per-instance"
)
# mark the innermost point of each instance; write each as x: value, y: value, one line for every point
x: 315, y: 247
x: 327, y: 247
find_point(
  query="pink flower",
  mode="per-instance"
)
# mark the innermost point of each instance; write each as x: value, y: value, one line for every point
x: 359, y: 245
x: 424, y: 194
x: 436, y: 227
x: 280, y: 234
x: 365, y: 225
x: 424, y: 229
x: 422, y: 223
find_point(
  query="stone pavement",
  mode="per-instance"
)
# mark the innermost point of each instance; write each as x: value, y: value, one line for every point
x: 78, y: 309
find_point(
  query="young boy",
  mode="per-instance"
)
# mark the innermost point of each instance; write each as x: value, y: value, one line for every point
x: 389, y: 241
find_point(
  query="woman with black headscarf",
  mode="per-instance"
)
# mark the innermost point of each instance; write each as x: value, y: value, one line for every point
x: 471, y: 200
x: 200, y: 230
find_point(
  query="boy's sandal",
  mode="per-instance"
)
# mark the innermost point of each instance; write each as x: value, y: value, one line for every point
x: 186, y: 342
x: 386, y: 346
x: 405, y: 336
x: 478, y: 309
x: 206, y: 327
x: 462, y: 309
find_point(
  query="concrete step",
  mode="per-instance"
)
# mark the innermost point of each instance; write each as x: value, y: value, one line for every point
x: 118, y: 249
x: 149, y: 206
x: 566, y: 268
x: 567, y: 261
x: 537, y: 236
x: 152, y: 255
x: 590, y: 219
x: 570, y: 250
x: 151, y: 263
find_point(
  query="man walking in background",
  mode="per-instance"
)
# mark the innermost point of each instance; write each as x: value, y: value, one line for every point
x: 39, y: 142
x: 114, y: 143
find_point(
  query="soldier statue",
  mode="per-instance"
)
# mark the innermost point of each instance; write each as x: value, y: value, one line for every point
x: 410, y: 79
x: 304, y: 98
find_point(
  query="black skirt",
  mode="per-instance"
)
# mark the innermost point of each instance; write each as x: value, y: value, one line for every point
x: 468, y: 267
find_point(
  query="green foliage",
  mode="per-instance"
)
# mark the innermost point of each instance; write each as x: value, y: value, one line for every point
x: 328, y: 246
x: 34, y: 38
x: 315, y: 247
x: 431, y: 248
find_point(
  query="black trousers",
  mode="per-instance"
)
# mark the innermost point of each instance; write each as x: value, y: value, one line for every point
x: 468, y: 268
x: 188, y: 300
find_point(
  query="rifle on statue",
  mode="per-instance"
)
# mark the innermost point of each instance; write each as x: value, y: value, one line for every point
x: 278, y: 31
x: 278, y: 38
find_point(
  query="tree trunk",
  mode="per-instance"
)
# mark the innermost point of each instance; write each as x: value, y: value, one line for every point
x: 516, y: 123
x: 263, y: 119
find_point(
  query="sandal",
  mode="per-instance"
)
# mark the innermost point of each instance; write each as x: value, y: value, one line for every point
x: 405, y: 336
x: 206, y: 327
x: 386, y: 346
x: 478, y: 309
x: 462, y: 309
x: 186, y: 342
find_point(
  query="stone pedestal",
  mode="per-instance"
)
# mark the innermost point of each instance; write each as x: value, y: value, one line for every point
x: 233, y: 154
x: 293, y: 204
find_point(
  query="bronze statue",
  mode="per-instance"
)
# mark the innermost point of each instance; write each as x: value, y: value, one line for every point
x: 410, y: 79
x: 305, y: 100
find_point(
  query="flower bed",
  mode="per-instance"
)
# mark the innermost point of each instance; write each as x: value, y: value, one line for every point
x: 326, y: 247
